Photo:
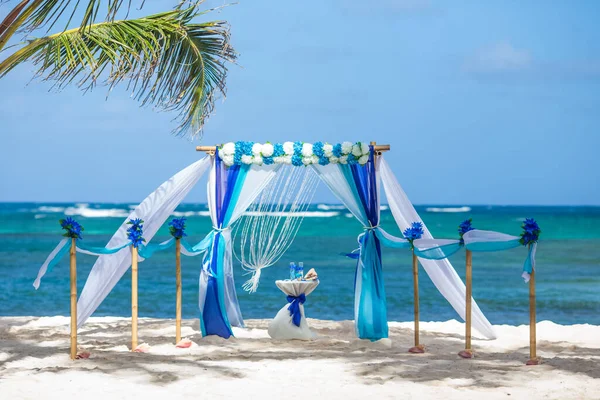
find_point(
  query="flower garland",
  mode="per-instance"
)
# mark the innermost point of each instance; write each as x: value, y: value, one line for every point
x: 177, y: 227
x: 135, y: 232
x: 531, y: 232
x: 463, y: 228
x: 72, y: 227
x: 414, y: 232
x: 294, y: 153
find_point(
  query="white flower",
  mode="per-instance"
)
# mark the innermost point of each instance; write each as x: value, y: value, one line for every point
x: 334, y: 160
x: 364, y: 147
x: 221, y: 154
x: 346, y: 147
x: 343, y: 160
x: 267, y: 150
x: 229, y: 149
x: 328, y: 150
x: 307, y: 160
x: 356, y: 150
x: 315, y: 159
x: 228, y: 160
x: 256, y: 149
x: 307, y: 149
x: 288, y: 147
x: 363, y: 159
x: 287, y: 160
x: 258, y: 160
x: 246, y: 159
x: 279, y: 160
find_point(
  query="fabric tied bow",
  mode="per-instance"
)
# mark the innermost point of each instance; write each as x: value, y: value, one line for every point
x: 294, y: 307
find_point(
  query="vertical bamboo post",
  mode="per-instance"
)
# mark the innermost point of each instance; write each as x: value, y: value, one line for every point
x: 73, y: 274
x: 418, y: 348
x: 533, y: 360
x: 467, y: 352
x: 134, y: 298
x: 178, y: 290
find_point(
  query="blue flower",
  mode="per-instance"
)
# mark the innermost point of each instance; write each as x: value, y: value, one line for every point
x: 135, y: 232
x: 72, y: 228
x: 278, y: 150
x: 465, y: 227
x: 323, y: 160
x: 318, y: 150
x: 297, y: 160
x: 298, y: 148
x: 352, y: 159
x: 268, y: 160
x: 414, y: 232
x: 337, y: 150
x: 237, y: 156
x: 177, y: 227
x: 247, y: 148
x: 531, y: 232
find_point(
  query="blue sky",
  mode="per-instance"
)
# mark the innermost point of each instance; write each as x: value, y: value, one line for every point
x: 483, y: 102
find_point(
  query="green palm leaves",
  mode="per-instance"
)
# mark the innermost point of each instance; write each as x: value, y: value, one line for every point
x: 166, y: 60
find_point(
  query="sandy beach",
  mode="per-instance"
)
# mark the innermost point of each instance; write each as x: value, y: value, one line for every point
x: 34, y: 363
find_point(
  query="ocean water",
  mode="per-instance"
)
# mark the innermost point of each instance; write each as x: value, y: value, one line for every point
x: 568, y: 259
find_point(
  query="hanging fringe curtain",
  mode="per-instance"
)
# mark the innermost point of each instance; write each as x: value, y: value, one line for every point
x: 271, y: 223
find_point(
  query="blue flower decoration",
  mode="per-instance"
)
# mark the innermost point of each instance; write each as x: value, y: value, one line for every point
x: 323, y: 160
x: 177, y: 227
x: 135, y: 232
x: 337, y: 150
x: 318, y: 149
x: 465, y: 227
x: 268, y: 160
x: 247, y: 148
x: 531, y: 232
x: 278, y: 150
x: 414, y: 232
x: 237, y: 156
x: 72, y: 227
x: 298, y: 148
x: 296, y: 160
x: 352, y: 159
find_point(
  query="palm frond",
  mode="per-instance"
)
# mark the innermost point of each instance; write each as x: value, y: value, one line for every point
x: 166, y: 59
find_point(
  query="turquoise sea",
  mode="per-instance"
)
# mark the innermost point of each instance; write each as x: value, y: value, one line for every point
x: 568, y: 264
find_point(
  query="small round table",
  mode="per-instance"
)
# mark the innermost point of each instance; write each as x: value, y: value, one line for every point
x: 290, y: 322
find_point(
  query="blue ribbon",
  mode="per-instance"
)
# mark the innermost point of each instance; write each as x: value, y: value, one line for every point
x: 294, y: 307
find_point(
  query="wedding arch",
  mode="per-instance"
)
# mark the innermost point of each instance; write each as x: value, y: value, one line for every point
x: 238, y: 173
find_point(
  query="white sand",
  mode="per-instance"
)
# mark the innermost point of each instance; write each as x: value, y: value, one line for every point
x: 34, y: 363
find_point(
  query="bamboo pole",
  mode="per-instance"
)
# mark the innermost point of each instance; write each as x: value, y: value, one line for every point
x: 467, y: 352
x: 211, y: 149
x: 418, y: 347
x: 73, y: 274
x: 178, y: 290
x: 533, y: 360
x: 134, y: 298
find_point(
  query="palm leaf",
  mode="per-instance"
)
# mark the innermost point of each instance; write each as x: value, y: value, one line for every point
x: 166, y: 59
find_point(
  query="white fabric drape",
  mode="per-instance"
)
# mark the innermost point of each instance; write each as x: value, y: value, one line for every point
x: 154, y: 210
x: 255, y: 181
x: 441, y: 272
x: 479, y: 236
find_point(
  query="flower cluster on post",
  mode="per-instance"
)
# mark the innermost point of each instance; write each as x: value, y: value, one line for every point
x: 414, y: 232
x: 72, y: 228
x: 177, y: 227
x: 531, y: 232
x: 135, y: 232
x: 294, y: 153
x: 463, y: 228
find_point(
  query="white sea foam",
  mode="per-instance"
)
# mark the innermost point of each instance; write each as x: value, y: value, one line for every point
x: 49, y: 209
x: 448, y: 209
x: 39, y: 216
x: 191, y: 213
x: 327, y: 207
x: 84, y: 211
x: 304, y: 214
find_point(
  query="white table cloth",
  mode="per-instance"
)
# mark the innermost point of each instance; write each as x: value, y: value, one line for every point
x: 282, y: 326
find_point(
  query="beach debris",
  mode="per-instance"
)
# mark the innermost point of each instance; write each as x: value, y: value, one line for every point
x: 184, y: 343
x: 84, y: 355
x: 311, y: 275
x: 142, y: 348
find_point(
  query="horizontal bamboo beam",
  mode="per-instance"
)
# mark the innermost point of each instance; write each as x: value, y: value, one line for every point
x: 211, y: 149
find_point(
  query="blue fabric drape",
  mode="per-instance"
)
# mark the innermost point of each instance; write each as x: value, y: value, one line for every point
x: 229, y: 183
x: 370, y: 301
x: 294, y: 307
